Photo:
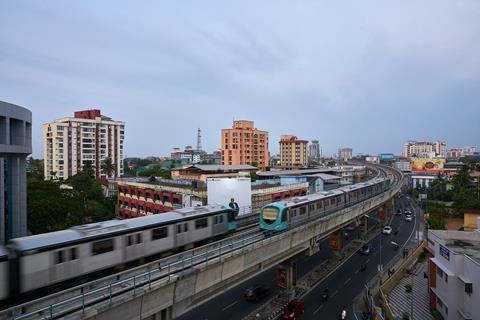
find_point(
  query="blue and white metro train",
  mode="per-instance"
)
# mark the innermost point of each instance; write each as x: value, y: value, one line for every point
x: 282, y: 215
x: 30, y: 263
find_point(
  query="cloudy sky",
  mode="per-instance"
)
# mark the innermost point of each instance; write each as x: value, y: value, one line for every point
x: 365, y: 74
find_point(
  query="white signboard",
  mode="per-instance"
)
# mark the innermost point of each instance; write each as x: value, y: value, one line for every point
x: 221, y: 190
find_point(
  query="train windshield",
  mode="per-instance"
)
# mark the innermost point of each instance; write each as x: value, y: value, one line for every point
x: 270, y: 214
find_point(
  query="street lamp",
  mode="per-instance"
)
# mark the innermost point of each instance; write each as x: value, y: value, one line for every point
x: 380, y: 266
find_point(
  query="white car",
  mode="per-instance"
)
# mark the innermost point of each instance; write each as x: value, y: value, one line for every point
x: 387, y: 230
x: 408, y: 217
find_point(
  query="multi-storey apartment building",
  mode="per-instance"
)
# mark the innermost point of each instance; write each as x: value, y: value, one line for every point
x: 293, y: 152
x: 244, y: 144
x: 424, y: 149
x: 345, y: 153
x: 69, y: 143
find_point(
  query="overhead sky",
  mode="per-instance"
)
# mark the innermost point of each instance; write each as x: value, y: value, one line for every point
x: 364, y: 74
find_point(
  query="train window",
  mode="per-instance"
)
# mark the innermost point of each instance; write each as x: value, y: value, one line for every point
x: 139, y: 238
x: 303, y: 210
x: 185, y: 227
x: 179, y: 228
x: 59, y: 257
x: 339, y: 199
x: 159, y: 233
x: 73, y: 253
x: 201, y: 223
x: 311, y: 207
x: 285, y: 215
x: 319, y: 205
x: 129, y: 241
x: 102, y: 246
x: 220, y: 219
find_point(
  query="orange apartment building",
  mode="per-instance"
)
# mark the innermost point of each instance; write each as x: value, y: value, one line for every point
x: 244, y: 144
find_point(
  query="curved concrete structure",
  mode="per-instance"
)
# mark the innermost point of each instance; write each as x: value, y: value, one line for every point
x: 15, y: 146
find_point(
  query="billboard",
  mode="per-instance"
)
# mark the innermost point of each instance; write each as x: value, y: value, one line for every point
x: 221, y: 190
x: 427, y: 165
x: 387, y: 157
x: 371, y: 159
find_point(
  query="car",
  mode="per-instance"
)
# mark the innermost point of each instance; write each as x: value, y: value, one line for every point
x: 408, y: 217
x: 293, y: 309
x: 256, y: 293
x: 365, y: 249
x: 387, y: 230
x: 407, y: 211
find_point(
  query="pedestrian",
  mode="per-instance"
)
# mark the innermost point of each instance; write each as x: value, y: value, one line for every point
x: 234, y: 206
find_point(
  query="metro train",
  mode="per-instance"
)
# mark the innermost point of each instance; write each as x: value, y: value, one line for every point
x: 282, y: 215
x: 38, y: 261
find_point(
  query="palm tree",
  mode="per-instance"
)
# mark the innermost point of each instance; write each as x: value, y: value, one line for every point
x: 88, y: 169
x: 108, y: 167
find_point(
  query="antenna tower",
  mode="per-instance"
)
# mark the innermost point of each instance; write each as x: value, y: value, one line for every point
x: 199, y: 140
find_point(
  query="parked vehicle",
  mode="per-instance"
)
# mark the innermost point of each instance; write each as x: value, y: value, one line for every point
x: 256, y: 293
x: 293, y: 309
x: 408, y: 217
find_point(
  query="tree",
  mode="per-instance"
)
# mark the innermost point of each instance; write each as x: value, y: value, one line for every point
x: 108, y: 167
x: 88, y: 169
x: 462, y: 180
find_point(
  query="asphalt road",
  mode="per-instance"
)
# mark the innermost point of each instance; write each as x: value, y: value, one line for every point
x: 344, y: 285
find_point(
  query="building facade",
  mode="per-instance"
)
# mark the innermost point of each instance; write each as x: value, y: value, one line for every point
x: 454, y: 273
x: 293, y: 152
x: 314, y: 151
x: 244, y: 144
x: 15, y: 146
x: 69, y: 143
x: 137, y: 198
x: 425, y: 149
x: 345, y: 153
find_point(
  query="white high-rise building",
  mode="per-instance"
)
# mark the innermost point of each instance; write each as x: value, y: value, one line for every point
x: 314, y: 151
x: 71, y: 142
x: 424, y: 149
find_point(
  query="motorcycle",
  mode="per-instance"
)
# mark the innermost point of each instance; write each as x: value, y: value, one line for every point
x: 343, y: 315
x: 325, y: 295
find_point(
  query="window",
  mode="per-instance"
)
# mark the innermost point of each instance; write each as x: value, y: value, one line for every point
x: 218, y: 219
x: 440, y: 272
x: 201, y: 223
x: 102, y: 246
x: 319, y: 205
x: 73, y: 253
x: 159, y: 233
x: 311, y: 207
x: 303, y: 210
x: 59, y: 257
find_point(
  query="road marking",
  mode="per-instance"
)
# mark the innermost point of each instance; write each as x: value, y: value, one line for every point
x: 348, y: 280
x: 230, y: 305
x: 318, y: 309
x: 334, y: 294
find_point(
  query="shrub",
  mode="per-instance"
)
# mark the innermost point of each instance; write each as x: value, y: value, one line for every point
x: 405, y: 316
x: 437, y: 315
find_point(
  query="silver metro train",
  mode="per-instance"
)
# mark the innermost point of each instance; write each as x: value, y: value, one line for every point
x: 34, y: 262
x: 282, y: 215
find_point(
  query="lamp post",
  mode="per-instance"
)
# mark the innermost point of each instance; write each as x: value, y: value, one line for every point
x: 380, y: 266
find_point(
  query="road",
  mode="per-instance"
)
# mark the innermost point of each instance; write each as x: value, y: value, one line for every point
x: 232, y: 305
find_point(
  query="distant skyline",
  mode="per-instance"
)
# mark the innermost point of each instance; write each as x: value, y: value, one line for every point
x: 368, y: 75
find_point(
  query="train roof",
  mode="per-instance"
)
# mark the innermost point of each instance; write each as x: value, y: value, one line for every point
x: 91, y: 231
x: 310, y: 197
x: 325, y: 194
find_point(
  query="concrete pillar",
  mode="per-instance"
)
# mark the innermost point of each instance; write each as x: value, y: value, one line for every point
x: 17, y: 197
x: 335, y: 242
x: 3, y: 235
x: 363, y: 228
